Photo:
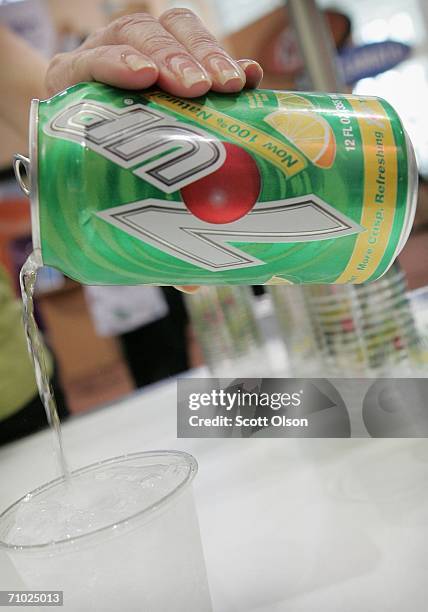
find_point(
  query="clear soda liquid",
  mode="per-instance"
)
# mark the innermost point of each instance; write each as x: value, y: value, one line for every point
x: 28, y: 279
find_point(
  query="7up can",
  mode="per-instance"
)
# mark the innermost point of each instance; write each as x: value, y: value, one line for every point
x: 251, y: 188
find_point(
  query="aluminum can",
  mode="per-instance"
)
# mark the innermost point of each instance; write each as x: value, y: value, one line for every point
x: 260, y: 187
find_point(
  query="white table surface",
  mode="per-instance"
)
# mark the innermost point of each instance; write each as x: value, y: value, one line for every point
x: 295, y: 525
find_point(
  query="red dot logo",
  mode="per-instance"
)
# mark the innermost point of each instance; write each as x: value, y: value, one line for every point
x: 227, y: 194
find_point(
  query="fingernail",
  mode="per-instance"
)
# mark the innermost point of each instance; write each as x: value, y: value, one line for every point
x: 187, y: 288
x: 188, y: 71
x: 136, y: 62
x: 244, y: 63
x: 254, y: 75
x: 226, y: 70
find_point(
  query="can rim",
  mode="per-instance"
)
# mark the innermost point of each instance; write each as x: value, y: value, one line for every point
x: 34, y: 185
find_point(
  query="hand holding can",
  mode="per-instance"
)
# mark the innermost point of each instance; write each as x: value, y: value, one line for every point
x: 175, y: 52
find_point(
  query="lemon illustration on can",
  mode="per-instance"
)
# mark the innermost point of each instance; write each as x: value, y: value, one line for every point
x: 308, y: 131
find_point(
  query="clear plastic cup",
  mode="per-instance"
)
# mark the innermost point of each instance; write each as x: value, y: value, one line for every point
x: 123, y: 534
x: 296, y: 328
x: 228, y: 332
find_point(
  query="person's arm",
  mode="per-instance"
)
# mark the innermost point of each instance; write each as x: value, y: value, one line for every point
x: 22, y: 77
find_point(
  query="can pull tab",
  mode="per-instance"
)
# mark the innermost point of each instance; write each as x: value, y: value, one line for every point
x: 20, y: 162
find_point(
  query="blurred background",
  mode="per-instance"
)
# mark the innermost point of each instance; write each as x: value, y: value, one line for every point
x: 107, y: 343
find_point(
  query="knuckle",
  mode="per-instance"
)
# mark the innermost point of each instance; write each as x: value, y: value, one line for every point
x: 175, y: 14
x: 76, y: 62
x: 99, y: 53
x: 96, y: 33
x: 121, y: 26
x: 93, y: 37
x: 203, y: 43
x: 214, y: 52
x: 56, y: 61
x: 120, y: 49
x: 156, y: 43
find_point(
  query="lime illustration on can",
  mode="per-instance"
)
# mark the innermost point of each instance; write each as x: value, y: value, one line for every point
x: 250, y: 188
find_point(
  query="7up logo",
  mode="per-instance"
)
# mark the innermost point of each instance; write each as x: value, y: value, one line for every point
x: 165, y: 153
x: 216, y: 210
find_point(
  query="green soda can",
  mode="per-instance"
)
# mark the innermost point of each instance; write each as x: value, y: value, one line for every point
x: 251, y: 188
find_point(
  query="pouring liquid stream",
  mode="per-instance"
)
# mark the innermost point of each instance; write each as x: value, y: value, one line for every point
x: 28, y: 277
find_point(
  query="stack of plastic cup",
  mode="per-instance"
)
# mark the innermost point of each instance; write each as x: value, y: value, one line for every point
x: 353, y: 330
x: 227, y: 331
x: 419, y: 305
x: 296, y: 328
